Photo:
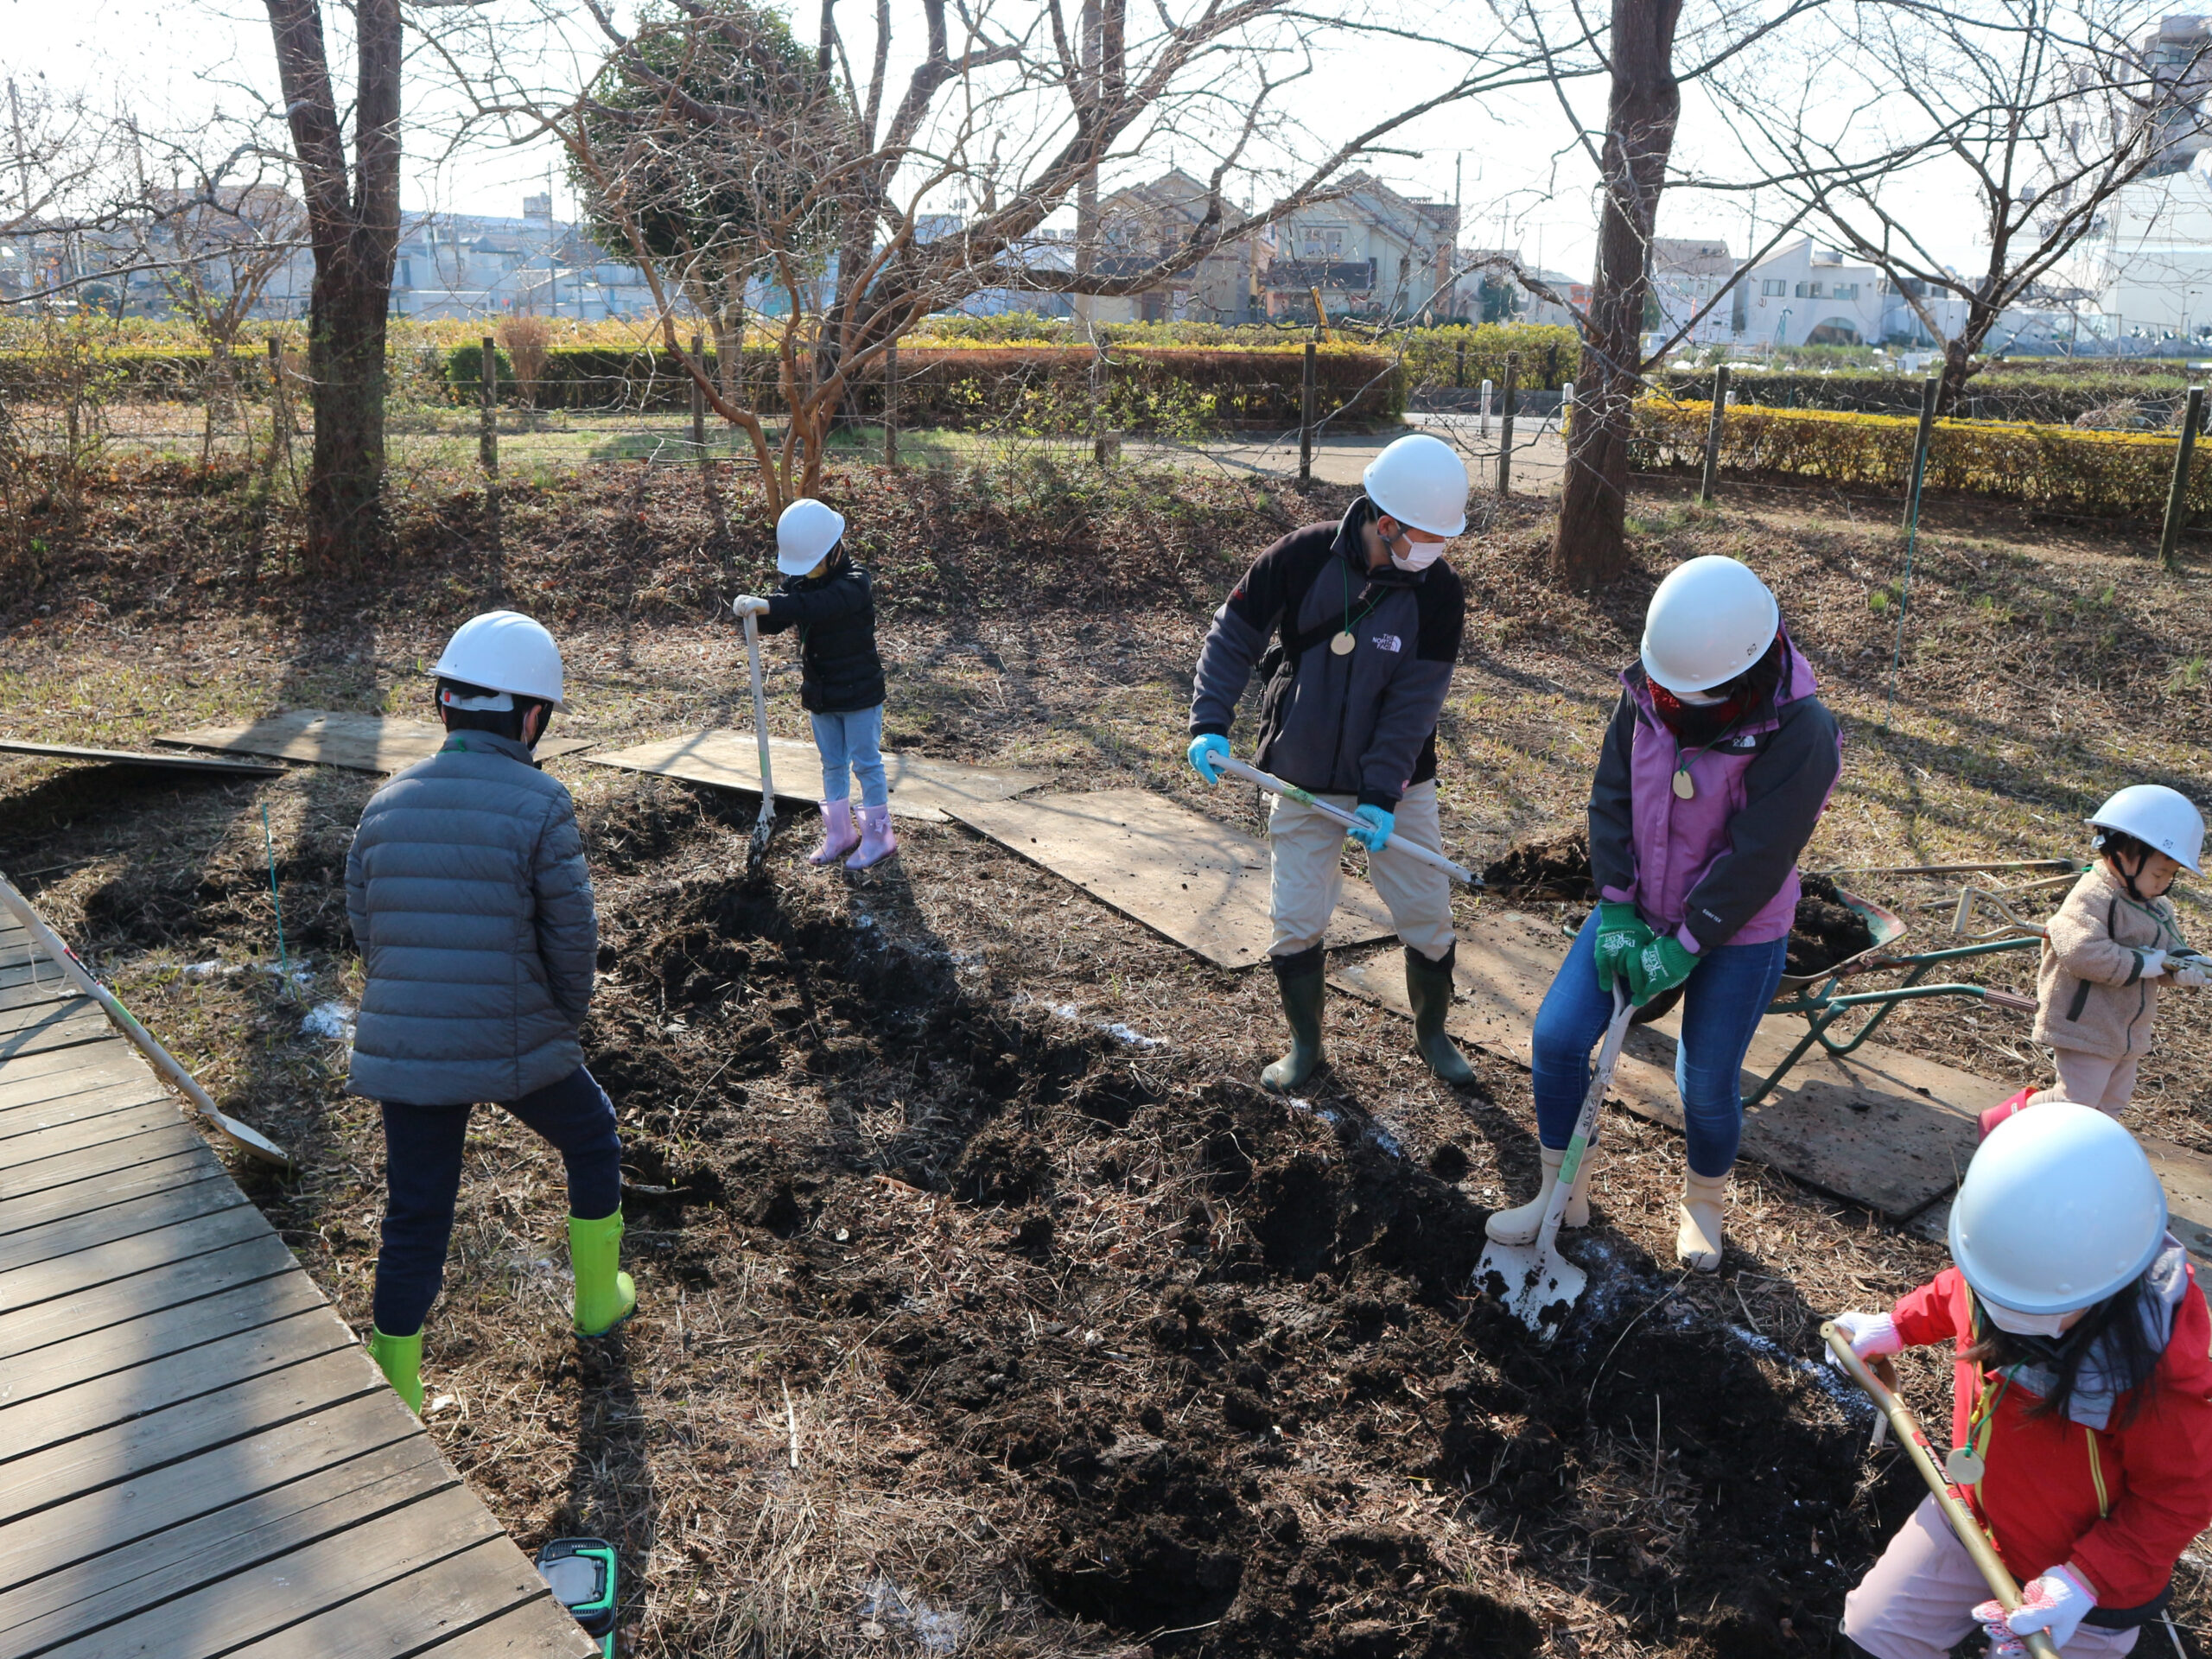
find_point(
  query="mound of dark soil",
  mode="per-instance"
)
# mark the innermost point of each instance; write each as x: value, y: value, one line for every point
x: 1544, y: 869
x: 1826, y: 930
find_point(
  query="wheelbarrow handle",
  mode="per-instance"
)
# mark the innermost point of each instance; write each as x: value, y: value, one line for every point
x: 1964, y: 1527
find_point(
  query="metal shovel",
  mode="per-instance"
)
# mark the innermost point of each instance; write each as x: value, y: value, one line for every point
x: 1534, y: 1281
x: 763, y: 829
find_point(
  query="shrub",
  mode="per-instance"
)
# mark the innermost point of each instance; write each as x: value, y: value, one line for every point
x: 2115, y: 474
x: 2054, y: 399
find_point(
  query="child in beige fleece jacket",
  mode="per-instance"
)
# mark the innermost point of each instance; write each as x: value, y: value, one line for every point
x: 2113, y: 945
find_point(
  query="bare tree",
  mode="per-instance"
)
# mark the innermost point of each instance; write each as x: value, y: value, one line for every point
x: 2041, y: 110
x: 1013, y: 121
x: 352, y: 218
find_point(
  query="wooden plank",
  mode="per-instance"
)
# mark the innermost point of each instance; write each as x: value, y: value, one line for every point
x: 89, y: 1163
x: 81, y: 1108
x: 182, y: 1492
x: 67, y: 1025
x: 191, y: 1163
x: 921, y: 788
x: 329, y: 738
x: 24, y: 1330
x: 1191, y: 877
x: 242, y: 1304
x: 1884, y: 1128
x: 29, y: 1078
x: 2187, y: 1177
x: 204, y: 765
x: 537, y: 1627
x: 93, y: 1130
x: 442, y: 1607
x: 112, y: 1456
x: 155, y: 1251
x: 47, y: 1010
x: 24, y: 984
x: 96, y: 1594
x: 165, y: 1206
x: 331, y: 1572
x: 103, y: 1401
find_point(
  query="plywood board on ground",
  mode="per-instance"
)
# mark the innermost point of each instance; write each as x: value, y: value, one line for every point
x: 207, y: 766
x: 1884, y: 1128
x: 358, y: 742
x: 1194, y: 878
x: 921, y: 788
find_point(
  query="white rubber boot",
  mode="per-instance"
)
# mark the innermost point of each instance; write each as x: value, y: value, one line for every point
x: 1698, y: 1242
x: 1520, y: 1225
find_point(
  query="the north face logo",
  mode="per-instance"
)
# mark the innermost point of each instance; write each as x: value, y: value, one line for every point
x: 1385, y: 642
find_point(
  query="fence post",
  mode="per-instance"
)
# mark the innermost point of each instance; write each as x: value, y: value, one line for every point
x: 2177, y: 497
x: 1712, y: 436
x: 1927, y: 388
x: 488, y: 439
x: 891, y: 404
x: 1505, y: 429
x: 698, y: 399
x: 1460, y: 366
x: 1485, y: 409
x: 1306, y: 423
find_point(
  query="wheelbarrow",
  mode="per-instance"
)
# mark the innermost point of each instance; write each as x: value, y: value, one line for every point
x: 1827, y: 1006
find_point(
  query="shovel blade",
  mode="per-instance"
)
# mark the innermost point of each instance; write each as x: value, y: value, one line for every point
x: 1538, y: 1286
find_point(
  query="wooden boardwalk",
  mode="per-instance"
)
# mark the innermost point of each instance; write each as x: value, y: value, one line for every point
x: 196, y: 1457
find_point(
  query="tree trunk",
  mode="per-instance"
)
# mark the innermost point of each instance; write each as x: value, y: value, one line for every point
x: 1642, y: 108
x: 353, y: 230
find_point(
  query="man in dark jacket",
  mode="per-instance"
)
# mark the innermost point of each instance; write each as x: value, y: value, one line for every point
x: 1369, y: 620
x: 473, y: 910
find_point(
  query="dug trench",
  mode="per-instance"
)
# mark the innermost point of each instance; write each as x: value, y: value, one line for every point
x: 1162, y: 1442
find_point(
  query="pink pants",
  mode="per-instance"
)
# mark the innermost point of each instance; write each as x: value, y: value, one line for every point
x: 2086, y: 1080
x: 1918, y: 1602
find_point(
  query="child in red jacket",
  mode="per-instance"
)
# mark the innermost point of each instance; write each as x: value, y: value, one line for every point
x: 2081, y: 1401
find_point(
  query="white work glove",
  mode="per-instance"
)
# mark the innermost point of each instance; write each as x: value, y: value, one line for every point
x: 1873, y: 1336
x: 753, y: 604
x: 2056, y: 1603
x: 2154, y: 964
x: 2192, y: 977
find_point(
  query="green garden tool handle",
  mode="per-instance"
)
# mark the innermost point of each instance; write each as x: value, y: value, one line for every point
x: 1276, y: 785
x: 1967, y: 1529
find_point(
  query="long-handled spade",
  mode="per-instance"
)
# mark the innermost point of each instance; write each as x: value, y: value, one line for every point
x: 764, y: 827
x: 1534, y: 1281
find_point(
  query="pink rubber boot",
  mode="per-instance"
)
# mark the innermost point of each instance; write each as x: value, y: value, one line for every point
x: 877, y: 843
x: 838, y: 835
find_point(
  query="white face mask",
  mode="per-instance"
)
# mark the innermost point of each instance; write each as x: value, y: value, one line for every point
x: 1418, y: 555
x: 2024, y: 1324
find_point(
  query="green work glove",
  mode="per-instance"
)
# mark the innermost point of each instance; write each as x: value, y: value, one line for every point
x: 1660, y: 966
x: 1621, y: 934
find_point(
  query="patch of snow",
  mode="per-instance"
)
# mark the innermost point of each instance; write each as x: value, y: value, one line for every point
x: 937, y: 1630
x: 1829, y: 1379
x: 1128, y: 1039
x: 203, y: 969
x: 331, y: 1020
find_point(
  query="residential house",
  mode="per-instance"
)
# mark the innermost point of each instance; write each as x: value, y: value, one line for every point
x: 1803, y: 293
x: 1688, y: 278
x: 1373, y: 254
x: 1141, y: 225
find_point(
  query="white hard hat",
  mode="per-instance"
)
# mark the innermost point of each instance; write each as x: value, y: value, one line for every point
x: 2060, y: 1208
x: 503, y: 650
x: 806, y: 530
x: 1711, y: 619
x: 1418, y: 480
x: 2162, y: 819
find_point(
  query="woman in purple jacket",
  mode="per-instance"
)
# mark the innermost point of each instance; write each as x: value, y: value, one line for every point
x: 1716, y: 764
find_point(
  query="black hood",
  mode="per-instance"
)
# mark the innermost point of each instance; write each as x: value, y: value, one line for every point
x: 1352, y: 547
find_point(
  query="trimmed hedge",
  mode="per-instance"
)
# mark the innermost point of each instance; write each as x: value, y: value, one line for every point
x: 2023, y: 396
x: 2115, y: 474
x: 1031, y: 389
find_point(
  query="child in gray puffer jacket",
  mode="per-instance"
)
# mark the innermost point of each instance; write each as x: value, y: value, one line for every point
x: 471, y: 907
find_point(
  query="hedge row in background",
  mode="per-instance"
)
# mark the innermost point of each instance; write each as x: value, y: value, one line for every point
x: 2149, y: 401
x: 1027, y: 389
x: 2117, y: 474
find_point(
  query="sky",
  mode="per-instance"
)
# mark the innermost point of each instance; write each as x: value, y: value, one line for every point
x: 1522, y: 182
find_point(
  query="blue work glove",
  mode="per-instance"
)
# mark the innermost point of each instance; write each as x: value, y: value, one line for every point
x: 1660, y: 966
x: 1621, y: 934
x: 1204, y: 751
x: 1378, y: 822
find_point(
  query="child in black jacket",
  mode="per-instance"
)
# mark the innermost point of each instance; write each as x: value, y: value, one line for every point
x: 827, y: 598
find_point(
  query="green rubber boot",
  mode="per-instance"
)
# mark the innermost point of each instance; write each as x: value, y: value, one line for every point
x: 400, y: 1360
x: 1428, y: 988
x: 604, y: 1296
x: 1299, y: 979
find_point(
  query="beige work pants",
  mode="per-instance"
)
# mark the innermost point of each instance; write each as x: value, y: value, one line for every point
x: 1309, y: 875
x: 1918, y: 1602
x: 2086, y: 1080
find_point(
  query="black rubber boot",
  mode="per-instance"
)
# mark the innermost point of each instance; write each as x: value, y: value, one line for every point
x: 1299, y: 979
x: 1428, y: 988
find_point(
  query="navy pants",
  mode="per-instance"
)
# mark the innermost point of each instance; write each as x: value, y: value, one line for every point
x: 423, y: 1147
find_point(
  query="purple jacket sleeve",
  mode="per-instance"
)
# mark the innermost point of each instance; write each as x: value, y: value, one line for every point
x: 1612, y: 825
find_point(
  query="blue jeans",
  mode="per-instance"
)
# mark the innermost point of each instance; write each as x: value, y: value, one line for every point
x: 851, y: 743
x: 422, y: 1157
x: 1722, y: 1002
